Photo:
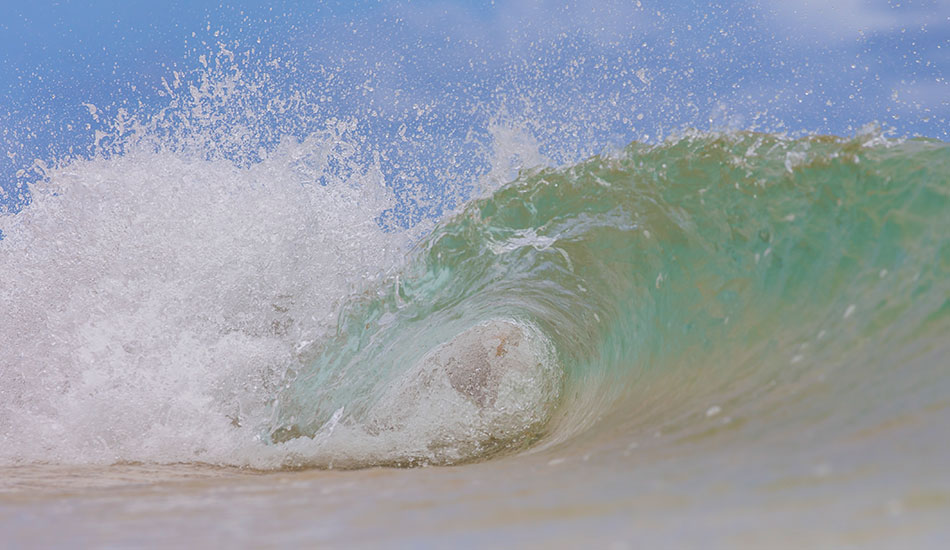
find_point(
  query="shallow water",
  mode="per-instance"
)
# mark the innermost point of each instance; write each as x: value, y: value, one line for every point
x: 710, y: 489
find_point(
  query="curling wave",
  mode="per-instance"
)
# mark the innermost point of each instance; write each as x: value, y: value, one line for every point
x: 257, y: 319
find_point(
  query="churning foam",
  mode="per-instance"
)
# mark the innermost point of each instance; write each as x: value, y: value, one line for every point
x: 491, y: 387
x: 156, y: 297
x: 153, y: 300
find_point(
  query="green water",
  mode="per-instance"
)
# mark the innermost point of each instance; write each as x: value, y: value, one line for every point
x: 710, y: 273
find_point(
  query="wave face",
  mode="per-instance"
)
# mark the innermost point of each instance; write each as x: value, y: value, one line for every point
x: 745, y: 283
x: 733, y: 268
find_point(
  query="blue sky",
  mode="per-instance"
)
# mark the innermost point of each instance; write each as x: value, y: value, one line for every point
x: 581, y: 77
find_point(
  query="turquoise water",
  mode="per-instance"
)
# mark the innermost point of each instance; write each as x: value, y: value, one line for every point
x: 736, y: 265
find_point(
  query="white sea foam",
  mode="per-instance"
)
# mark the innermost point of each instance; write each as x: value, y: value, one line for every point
x: 490, y: 386
x: 157, y: 293
x: 489, y: 389
x: 152, y: 300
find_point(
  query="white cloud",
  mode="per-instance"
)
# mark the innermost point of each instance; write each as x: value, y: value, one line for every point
x: 838, y: 19
x: 602, y: 21
x: 513, y: 24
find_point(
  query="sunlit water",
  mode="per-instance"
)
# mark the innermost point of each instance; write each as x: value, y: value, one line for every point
x: 225, y: 335
x: 732, y: 339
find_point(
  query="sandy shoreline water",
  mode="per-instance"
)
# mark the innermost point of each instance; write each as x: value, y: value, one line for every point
x: 613, y: 498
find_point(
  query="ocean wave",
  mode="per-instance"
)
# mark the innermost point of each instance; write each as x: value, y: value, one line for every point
x: 172, y: 309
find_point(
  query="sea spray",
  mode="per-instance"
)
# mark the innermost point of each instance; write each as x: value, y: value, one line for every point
x: 153, y: 299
